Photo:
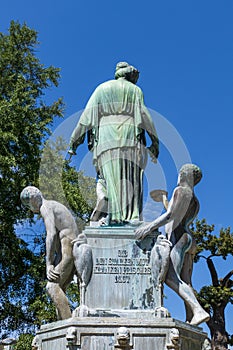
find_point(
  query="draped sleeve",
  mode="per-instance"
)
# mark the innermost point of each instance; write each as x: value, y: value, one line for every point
x: 114, y: 98
x: 87, y: 122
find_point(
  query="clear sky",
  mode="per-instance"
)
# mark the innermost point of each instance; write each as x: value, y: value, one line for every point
x: 184, y: 51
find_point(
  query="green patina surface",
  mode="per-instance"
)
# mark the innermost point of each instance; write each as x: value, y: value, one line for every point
x: 116, y: 118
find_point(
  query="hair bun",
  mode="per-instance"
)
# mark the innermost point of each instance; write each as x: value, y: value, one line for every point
x: 122, y: 65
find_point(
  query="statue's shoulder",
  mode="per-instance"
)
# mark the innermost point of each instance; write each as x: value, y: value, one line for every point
x: 102, y: 87
x: 133, y: 87
x: 115, y: 85
x: 53, y: 205
x: 106, y: 84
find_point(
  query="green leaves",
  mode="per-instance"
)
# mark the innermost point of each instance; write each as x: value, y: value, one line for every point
x: 24, y: 342
x: 61, y: 182
x: 215, y: 297
x: 25, y: 120
x: 220, y: 244
x: 24, y: 117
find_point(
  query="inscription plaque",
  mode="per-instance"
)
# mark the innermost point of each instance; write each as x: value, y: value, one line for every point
x: 121, y: 277
x: 121, y: 267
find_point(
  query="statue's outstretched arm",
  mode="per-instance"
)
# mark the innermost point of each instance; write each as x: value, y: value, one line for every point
x: 169, y: 215
x: 77, y: 138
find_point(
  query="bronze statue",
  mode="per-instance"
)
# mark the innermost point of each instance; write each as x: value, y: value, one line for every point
x: 65, y: 249
x: 116, y: 119
x: 182, y: 210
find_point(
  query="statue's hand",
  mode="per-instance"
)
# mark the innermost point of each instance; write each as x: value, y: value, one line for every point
x: 72, y: 152
x: 52, y: 274
x: 142, y: 232
x: 153, y: 153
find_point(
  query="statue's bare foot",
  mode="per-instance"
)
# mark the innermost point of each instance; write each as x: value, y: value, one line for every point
x: 199, y: 317
x: 104, y: 221
x: 81, y: 311
x: 135, y: 222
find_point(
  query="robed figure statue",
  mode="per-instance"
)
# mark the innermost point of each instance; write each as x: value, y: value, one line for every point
x: 116, y: 120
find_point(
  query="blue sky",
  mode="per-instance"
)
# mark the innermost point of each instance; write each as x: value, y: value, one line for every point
x: 184, y: 51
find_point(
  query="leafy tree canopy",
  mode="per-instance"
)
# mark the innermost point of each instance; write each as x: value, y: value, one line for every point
x: 25, y: 159
x: 216, y: 296
x: 25, y: 121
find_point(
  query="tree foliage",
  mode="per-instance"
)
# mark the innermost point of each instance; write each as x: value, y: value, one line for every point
x: 24, y: 342
x: 58, y: 181
x: 25, y: 159
x: 25, y: 120
x: 61, y: 182
x: 24, y: 117
x: 215, y: 297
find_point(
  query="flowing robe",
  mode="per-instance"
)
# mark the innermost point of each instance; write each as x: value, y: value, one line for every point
x: 116, y: 118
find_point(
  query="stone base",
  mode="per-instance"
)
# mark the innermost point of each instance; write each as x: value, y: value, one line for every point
x: 121, y: 278
x: 123, y: 308
x: 103, y: 333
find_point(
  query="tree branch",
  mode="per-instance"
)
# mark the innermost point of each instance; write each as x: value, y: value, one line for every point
x: 202, y: 256
x: 225, y: 280
x: 213, y: 272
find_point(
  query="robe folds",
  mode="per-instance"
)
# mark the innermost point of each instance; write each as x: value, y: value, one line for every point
x: 116, y: 120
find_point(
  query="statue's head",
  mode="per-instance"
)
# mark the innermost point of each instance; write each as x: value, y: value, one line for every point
x: 190, y: 173
x: 175, y: 337
x: 32, y: 198
x: 123, y: 336
x: 125, y: 70
x: 81, y: 239
x: 71, y: 336
x: 35, y: 343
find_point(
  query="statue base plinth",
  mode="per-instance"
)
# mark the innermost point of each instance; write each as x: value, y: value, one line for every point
x: 121, y: 309
x: 121, y: 278
x: 98, y: 333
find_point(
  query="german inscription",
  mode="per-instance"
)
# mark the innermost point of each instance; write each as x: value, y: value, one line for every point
x: 122, y: 266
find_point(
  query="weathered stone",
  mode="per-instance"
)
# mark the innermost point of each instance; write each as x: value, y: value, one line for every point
x: 121, y: 282
x: 123, y: 338
x: 98, y: 333
x: 120, y: 294
x: 174, y: 340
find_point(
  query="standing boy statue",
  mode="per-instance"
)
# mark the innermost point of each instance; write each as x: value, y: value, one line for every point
x: 61, y: 230
x: 182, y: 210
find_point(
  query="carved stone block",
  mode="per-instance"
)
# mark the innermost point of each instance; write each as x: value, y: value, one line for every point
x: 121, y: 279
x: 110, y: 333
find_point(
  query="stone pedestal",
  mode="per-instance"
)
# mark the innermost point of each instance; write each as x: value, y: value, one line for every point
x: 120, y: 302
x: 101, y: 333
x: 121, y: 279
